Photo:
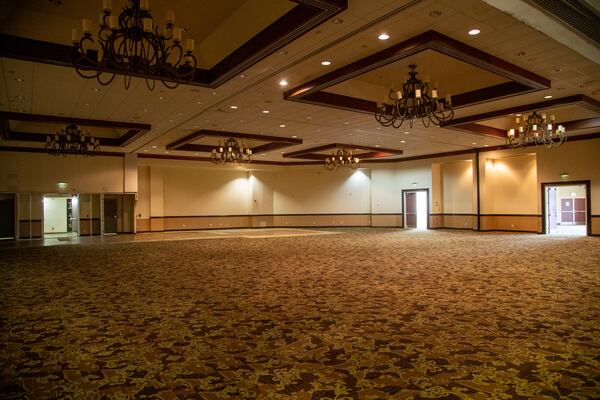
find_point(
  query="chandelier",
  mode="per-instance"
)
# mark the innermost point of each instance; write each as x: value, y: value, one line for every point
x: 131, y: 45
x: 341, y: 159
x: 414, y: 101
x: 71, y: 140
x: 536, y: 130
x: 232, y: 152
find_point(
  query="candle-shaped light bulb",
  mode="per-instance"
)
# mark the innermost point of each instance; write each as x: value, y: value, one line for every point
x: 434, y: 93
x: 550, y: 127
x: 521, y: 129
x: 552, y: 118
x: 399, y: 94
x: 511, y: 132
x: 86, y: 25
x: 418, y: 93
x: 214, y: 151
x: 220, y: 149
x: 535, y: 127
x: 189, y: 45
x: 107, y: 5
x: 145, y: 5
x: 147, y: 24
x: 177, y: 35
x: 544, y: 116
x: 74, y: 35
x: 113, y: 22
x: 170, y: 17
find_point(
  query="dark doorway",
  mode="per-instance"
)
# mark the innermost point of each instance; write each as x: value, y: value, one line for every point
x: 7, y: 216
x: 111, y: 216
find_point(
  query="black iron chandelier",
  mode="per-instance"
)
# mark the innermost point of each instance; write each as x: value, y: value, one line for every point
x: 342, y: 158
x: 414, y: 101
x: 534, y: 130
x: 131, y: 45
x: 231, y: 152
x: 72, y: 140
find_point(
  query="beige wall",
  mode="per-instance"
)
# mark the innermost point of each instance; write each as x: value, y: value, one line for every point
x: 510, y: 184
x: 457, y: 187
x: 33, y: 172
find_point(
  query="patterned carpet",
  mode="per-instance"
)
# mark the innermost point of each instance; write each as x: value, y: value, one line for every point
x: 365, y: 314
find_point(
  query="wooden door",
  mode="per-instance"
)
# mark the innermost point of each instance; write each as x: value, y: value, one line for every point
x: 566, y: 210
x: 111, y: 215
x: 410, y: 209
x: 580, y: 209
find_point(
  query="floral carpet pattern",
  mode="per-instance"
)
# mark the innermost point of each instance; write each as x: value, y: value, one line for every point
x: 364, y: 314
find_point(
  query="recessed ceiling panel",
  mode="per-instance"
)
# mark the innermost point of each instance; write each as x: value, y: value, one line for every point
x: 452, y: 75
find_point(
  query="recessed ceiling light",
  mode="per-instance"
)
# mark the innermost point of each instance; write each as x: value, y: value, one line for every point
x: 265, y: 111
x: 145, y: 150
x: 96, y: 89
x: 474, y: 143
x: 145, y: 110
x: 517, y: 115
x: 474, y: 32
x: 214, y: 92
x: 170, y: 120
x: 283, y: 82
x: 346, y: 123
x: 19, y: 80
x: 294, y: 136
x: 160, y: 97
x: 383, y: 36
x: 166, y: 152
x: 154, y: 147
x: 485, y: 145
x: 87, y: 104
x: 548, y: 97
x: 325, y: 62
x: 282, y: 126
x: 242, y: 76
x: 198, y: 102
x: 406, y: 132
x: 403, y: 141
x: 376, y: 145
x: 233, y: 107
x: 180, y: 114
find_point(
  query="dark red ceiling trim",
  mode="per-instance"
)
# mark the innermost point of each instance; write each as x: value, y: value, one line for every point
x: 522, y: 81
x: 469, y: 123
x: 579, y: 99
x: 134, y: 132
x: 273, y: 142
x: 306, y: 15
x: 577, y: 138
x: 373, y: 152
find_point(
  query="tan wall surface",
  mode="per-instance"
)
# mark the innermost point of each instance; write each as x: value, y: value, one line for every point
x: 457, y: 187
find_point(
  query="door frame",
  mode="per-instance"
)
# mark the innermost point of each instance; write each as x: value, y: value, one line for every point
x: 404, y: 191
x: 63, y: 195
x: 588, y: 196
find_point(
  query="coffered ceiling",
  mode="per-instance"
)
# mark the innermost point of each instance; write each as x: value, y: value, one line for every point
x: 349, y: 36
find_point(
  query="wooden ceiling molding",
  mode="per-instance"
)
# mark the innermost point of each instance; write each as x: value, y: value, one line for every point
x: 271, y: 142
x: 313, y: 153
x: 521, y: 80
x: 473, y: 123
x: 306, y: 15
x: 133, y: 131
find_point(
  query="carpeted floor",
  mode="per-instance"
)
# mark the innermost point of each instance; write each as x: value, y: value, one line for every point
x: 364, y: 314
